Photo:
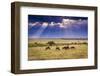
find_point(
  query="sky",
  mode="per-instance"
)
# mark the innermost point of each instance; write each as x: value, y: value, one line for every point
x: 43, y: 26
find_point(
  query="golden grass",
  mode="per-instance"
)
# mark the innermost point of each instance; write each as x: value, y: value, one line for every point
x: 39, y: 53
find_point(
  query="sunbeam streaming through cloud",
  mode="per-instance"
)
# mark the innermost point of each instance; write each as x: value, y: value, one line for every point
x: 42, y: 26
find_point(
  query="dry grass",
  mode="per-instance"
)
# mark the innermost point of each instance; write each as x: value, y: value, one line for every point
x: 39, y: 53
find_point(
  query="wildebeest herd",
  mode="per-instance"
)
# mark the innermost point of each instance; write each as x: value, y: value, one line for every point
x: 58, y: 48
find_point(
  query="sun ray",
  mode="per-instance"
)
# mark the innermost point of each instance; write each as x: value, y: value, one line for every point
x: 40, y: 30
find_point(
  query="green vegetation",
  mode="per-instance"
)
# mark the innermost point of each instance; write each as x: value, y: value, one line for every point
x: 51, y: 43
x: 36, y: 45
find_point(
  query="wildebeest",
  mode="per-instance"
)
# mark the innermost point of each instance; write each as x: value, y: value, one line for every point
x: 72, y: 47
x: 57, y: 48
x: 47, y: 48
x: 65, y: 47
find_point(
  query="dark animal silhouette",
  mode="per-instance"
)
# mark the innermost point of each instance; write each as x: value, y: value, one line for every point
x: 57, y: 48
x: 65, y: 47
x: 72, y: 47
x: 47, y: 48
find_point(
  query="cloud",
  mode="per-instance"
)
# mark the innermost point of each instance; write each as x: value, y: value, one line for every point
x: 33, y: 23
x: 73, y: 23
x: 52, y: 24
x: 61, y: 25
x: 73, y: 26
x: 45, y: 24
x: 66, y: 23
x: 80, y: 21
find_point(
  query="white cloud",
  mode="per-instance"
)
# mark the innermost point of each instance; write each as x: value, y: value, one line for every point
x: 61, y: 25
x: 80, y: 21
x: 52, y: 24
x: 45, y: 24
x: 33, y: 23
x: 73, y: 22
x: 68, y: 21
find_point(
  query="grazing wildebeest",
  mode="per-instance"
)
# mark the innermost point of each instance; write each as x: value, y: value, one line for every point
x: 57, y: 48
x: 47, y: 48
x: 72, y: 47
x: 65, y: 47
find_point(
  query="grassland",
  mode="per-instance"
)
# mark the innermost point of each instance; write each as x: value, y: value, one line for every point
x: 37, y: 49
